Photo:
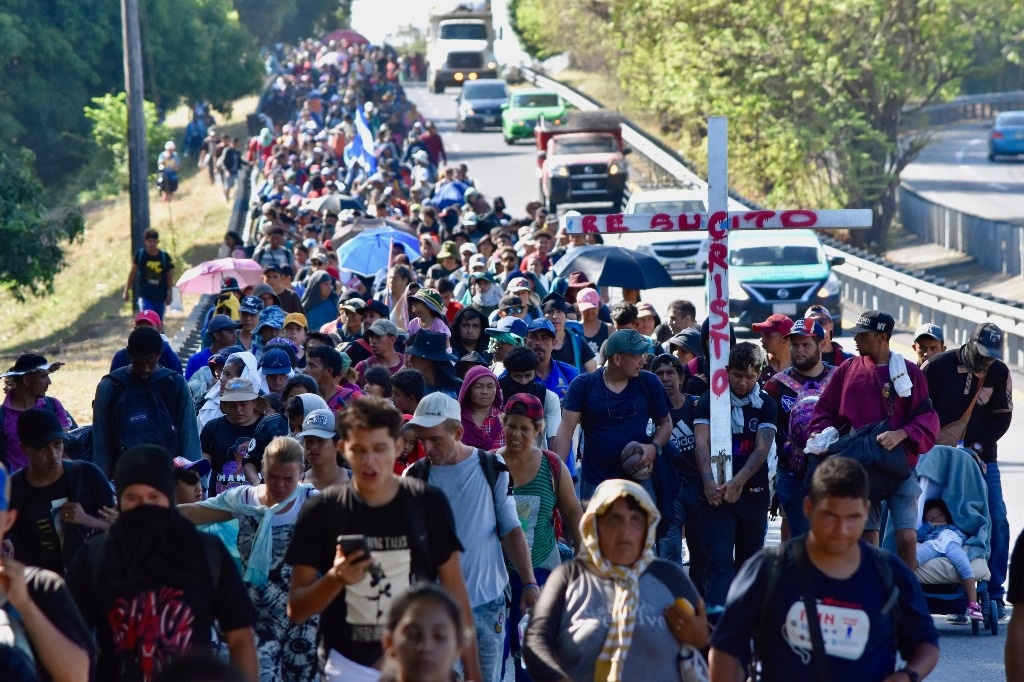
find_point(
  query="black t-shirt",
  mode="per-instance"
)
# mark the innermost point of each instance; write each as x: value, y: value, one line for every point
x: 152, y: 278
x: 682, y: 435
x: 952, y: 388
x: 743, y: 444
x: 38, y: 535
x: 352, y: 624
x: 50, y: 593
x: 567, y: 353
x: 142, y: 623
x: 230, y: 447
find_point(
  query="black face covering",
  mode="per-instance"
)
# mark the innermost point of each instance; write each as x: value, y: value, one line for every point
x: 509, y: 388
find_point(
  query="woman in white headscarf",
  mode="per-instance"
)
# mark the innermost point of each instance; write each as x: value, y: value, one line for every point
x: 612, y: 613
x: 238, y: 366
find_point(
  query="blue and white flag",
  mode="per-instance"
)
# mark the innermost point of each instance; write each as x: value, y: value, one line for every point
x: 362, y: 145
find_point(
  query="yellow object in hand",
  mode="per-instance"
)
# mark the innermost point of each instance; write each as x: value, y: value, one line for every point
x: 686, y: 606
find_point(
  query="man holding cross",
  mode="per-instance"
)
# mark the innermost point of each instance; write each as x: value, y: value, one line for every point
x: 735, y: 513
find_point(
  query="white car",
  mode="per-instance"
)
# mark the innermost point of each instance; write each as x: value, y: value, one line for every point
x: 684, y: 254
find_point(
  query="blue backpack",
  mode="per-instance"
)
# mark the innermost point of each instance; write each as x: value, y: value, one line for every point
x: 144, y: 413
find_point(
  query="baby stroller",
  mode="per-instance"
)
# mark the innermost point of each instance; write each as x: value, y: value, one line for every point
x: 955, y: 476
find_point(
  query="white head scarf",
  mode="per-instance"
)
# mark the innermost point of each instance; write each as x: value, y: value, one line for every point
x: 610, y: 662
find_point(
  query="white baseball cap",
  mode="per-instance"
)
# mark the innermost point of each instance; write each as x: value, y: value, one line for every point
x: 435, y: 409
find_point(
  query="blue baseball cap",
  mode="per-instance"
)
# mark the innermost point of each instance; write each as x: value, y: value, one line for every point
x: 275, y: 361
x: 271, y: 317
x: 541, y: 325
x: 251, y: 304
x: 508, y: 325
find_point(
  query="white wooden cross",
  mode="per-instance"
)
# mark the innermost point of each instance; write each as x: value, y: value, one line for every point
x: 718, y: 221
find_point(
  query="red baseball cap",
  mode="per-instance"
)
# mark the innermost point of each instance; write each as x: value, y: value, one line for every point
x: 774, y: 323
x: 149, y: 317
x: 532, y: 407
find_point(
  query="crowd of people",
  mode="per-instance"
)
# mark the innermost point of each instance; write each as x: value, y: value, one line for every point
x: 463, y: 462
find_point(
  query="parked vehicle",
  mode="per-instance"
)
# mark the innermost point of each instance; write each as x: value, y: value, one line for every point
x: 684, y: 254
x: 582, y: 160
x: 480, y: 104
x: 1007, y: 136
x: 525, y: 107
x: 780, y: 271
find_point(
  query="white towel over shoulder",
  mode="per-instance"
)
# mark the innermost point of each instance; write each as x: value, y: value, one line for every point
x: 899, y: 376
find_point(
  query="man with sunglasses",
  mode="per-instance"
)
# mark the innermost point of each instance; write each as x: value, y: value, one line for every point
x: 955, y: 378
x: 834, y: 354
x: 613, y: 405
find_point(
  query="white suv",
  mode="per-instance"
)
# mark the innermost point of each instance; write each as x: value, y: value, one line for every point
x: 684, y: 254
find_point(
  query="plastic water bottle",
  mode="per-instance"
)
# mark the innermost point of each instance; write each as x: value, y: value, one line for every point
x: 523, y: 622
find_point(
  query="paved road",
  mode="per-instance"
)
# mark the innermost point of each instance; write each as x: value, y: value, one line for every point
x: 510, y: 172
x: 954, y: 170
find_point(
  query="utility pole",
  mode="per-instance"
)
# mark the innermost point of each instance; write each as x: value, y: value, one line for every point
x: 138, y: 175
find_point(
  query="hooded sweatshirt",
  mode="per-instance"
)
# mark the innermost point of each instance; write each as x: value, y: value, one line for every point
x: 489, y: 435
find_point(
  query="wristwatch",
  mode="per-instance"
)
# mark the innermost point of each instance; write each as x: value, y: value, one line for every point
x: 912, y: 674
x: 657, y: 449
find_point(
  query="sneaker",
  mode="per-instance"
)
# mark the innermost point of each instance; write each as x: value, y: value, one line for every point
x: 957, y: 619
x: 974, y: 611
x: 1001, y: 607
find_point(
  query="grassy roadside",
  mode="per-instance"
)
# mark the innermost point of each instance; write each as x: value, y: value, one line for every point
x: 84, y: 322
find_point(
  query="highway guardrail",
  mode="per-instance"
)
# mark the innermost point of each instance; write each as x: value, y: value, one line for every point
x: 868, y: 281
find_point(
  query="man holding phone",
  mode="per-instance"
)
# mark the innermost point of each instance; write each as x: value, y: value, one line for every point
x: 360, y: 545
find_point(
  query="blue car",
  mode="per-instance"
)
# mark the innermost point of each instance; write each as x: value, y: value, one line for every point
x: 1007, y: 137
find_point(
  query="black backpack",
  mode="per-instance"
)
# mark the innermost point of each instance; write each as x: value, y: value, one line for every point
x: 144, y: 413
x: 489, y: 462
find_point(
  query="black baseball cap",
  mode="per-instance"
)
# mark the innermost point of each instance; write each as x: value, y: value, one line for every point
x: 874, y: 321
x: 989, y: 339
x: 38, y: 427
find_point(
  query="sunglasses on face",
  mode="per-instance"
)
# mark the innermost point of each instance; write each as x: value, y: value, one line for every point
x: 516, y: 310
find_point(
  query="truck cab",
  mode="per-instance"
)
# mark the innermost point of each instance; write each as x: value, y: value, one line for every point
x: 460, y: 47
x: 582, y: 160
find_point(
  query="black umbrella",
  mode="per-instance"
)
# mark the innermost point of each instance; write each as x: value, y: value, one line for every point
x: 615, y: 266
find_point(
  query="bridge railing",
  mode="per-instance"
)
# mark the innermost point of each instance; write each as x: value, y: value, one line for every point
x: 868, y: 281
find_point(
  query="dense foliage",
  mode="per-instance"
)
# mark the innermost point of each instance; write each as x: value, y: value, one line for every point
x: 109, y: 116
x: 33, y: 235
x: 814, y: 90
x: 59, y: 54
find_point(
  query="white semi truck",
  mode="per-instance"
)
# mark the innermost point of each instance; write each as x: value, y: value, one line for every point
x: 460, y: 45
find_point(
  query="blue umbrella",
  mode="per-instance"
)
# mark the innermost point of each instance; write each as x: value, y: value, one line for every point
x: 451, y: 194
x: 370, y: 250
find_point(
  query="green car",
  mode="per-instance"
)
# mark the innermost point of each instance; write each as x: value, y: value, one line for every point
x: 519, y: 116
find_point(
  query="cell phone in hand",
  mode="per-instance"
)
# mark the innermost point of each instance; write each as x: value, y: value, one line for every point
x: 350, y: 544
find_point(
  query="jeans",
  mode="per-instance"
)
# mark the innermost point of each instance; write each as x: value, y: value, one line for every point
x: 512, y: 643
x: 954, y: 552
x: 789, y: 488
x: 156, y: 306
x: 490, y: 620
x: 687, y: 515
x: 1000, y: 557
x: 740, y: 526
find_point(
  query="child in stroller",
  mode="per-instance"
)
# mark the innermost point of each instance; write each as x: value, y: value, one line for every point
x: 939, y: 536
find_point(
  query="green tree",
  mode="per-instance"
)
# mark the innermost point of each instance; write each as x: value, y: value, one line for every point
x: 109, y: 116
x: 273, y: 22
x: 59, y: 54
x: 33, y: 242
x: 815, y: 90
